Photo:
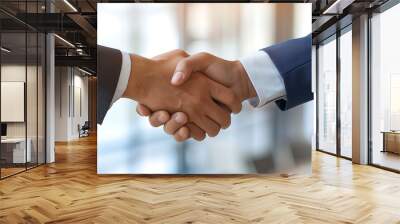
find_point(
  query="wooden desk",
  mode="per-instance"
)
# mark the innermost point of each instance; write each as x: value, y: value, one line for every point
x: 391, y: 141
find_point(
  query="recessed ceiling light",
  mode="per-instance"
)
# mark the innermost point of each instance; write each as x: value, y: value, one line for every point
x: 84, y: 71
x: 65, y: 41
x: 337, y: 7
x: 70, y: 5
x: 5, y: 50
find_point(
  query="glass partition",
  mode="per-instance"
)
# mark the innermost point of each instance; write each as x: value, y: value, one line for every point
x: 327, y: 96
x: 14, y: 153
x: 31, y: 99
x: 41, y: 107
x: 22, y: 88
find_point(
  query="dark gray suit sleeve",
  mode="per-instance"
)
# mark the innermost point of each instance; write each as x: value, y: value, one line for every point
x: 109, y: 62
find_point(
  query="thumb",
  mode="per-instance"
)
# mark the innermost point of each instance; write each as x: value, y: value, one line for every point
x: 194, y: 63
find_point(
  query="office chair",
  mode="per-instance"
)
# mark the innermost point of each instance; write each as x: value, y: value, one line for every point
x: 84, y: 130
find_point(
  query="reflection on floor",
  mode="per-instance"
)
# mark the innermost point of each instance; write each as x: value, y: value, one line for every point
x: 11, y: 169
x: 387, y: 159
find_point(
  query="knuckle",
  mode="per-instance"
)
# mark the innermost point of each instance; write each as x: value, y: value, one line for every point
x: 183, y: 53
x: 180, y: 52
x: 204, y: 54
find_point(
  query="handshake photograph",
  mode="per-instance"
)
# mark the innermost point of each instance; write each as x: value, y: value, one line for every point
x: 189, y: 112
x: 195, y: 97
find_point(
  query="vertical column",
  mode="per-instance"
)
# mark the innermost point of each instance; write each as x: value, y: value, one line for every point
x: 50, y: 92
x: 360, y: 90
x: 50, y: 98
x: 338, y: 91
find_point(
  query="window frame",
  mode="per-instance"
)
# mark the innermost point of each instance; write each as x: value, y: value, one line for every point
x: 333, y: 37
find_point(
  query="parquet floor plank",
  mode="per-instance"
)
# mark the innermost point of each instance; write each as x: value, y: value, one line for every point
x: 70, y: 191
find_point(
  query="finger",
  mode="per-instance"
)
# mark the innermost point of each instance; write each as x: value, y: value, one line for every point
x: 208, y: 125
x: 218, y: 115
x: 182, y: 134
x: 212, y: 127
x: 159, y: 118
x: 195, y: 63
x: 142, y: 110
x: 178, y: 120
x: 196, y: 132
x: 226, y: 96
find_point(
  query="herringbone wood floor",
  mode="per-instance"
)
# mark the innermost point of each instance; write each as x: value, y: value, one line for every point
x: 70, y: 191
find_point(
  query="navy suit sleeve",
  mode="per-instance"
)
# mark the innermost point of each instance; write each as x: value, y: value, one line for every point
x: 109, y: 62
x: 292, y: 58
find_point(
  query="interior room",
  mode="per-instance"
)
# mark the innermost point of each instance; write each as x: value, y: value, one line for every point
x: 22, y: 100
x: 385, y: 90
x: 49, y: 169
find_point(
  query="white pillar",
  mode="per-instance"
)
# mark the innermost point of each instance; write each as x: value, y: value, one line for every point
x: 50, y: 99
x: 360, y: 90
x: 50, y: 92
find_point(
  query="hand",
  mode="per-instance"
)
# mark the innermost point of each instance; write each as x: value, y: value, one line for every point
x: 175, y: 125
x: 228, y: 73
x: 200, y: 98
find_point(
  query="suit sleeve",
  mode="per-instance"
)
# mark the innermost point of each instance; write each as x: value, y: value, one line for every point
x: 109, y: 62
x: 293, y: 61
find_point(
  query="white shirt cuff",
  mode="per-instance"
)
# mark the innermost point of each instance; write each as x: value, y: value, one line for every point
x: 123, y: 77
x: 265, y: 78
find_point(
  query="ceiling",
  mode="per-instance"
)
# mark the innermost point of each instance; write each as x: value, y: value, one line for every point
x: 76, y: 21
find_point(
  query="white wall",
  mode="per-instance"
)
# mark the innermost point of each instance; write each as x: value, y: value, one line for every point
x: 33, y: 126
x: 71, y: 96
x: 12, y: 73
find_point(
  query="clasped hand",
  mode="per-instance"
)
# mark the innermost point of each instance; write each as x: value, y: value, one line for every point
x: 200, y: 91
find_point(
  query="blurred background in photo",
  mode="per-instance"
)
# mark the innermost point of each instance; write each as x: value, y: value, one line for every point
x: 262, y: 140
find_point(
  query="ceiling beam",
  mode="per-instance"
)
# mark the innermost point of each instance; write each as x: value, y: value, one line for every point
x: 76, y: 61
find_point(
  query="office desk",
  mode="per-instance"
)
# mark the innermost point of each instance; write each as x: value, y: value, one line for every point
x: 391, y: 142
x: 15, y: 148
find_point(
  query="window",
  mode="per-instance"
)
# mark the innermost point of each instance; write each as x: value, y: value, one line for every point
x: 346, y: 93
x: 327, y: 96
x: 385, y: 89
